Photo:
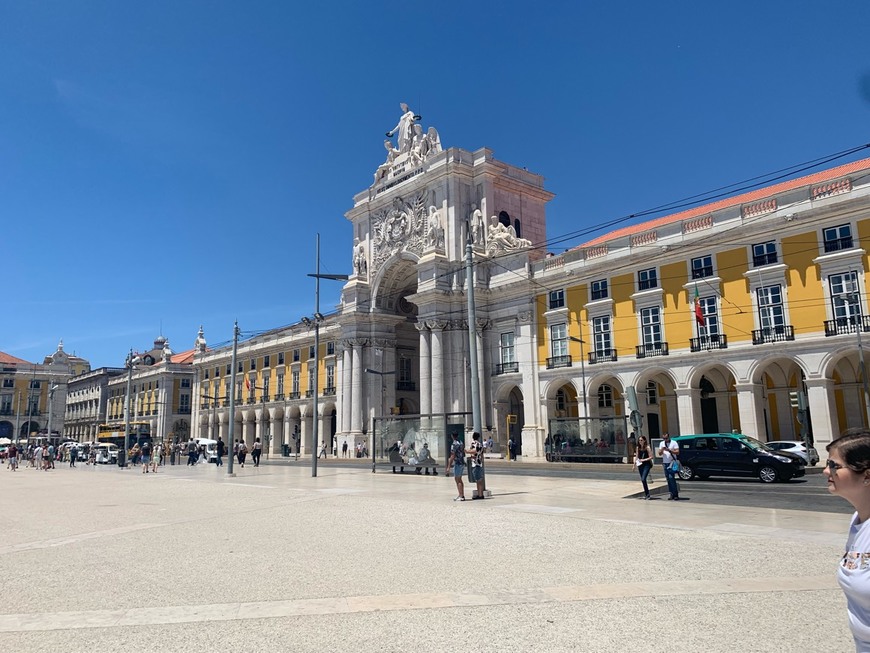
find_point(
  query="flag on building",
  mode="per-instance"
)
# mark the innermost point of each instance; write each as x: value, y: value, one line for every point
x: 248, y: 384
x: 699, y: 314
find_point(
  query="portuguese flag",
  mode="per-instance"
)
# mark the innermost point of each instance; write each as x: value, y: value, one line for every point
x: 699, y: 314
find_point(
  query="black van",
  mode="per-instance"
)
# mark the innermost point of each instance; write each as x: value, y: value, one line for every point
x: 734, y: 454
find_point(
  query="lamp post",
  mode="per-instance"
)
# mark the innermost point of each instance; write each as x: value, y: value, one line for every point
x: 130, y: 363
x: 18, y: 420
x: 51, y: 390
x: 582, y: 374
x: 383, y: 407
x: 318, y: 318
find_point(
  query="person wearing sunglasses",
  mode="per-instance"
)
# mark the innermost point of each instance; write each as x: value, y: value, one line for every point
x: 848, y: 474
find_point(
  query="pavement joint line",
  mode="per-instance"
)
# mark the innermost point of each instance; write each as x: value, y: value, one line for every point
x: 157, y: 615
x: 72, y: 539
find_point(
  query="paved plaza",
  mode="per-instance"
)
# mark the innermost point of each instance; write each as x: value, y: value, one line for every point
x: 102, y: 559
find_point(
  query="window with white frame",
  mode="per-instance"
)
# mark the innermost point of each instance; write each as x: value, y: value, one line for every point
x: 599, y: 289
x: 702, y: 267
x: 557, y: 299
x: 605, y: 396
x: 837, y: 238
x: 294, y: 382
x: 601, y: 335
x: 771, y: 312
x: 559, y: 340
x: 330, y: 376
x: 266, y: 386
x: 227, y: 389
x: 651, y: 325
x: 710, y: 312
x: 184, y: 403
x: 280, y: 384
x: 507, y: 354
x: 845, y: 300
x: 330, y: 349
x: 647, y: 279
x: 764, y: 254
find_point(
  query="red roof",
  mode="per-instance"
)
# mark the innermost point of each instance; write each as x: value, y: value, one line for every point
x: 183, y: 357
x: 7, y: 359
x: 751, y: 196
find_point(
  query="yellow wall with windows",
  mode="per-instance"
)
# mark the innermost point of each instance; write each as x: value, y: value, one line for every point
x: 578, y: 327
x: 806, y: 303
x: 677, y: 314
x: 735, y: 306
x: 624, y: 318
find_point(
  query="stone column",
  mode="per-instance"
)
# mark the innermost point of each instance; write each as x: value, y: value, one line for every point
x: 304, y: 433
x: 425, y: 370
x: 823, y: 412
x: 346, y: 388
x: 688, y: 413
x: 356, y: 388
x: 437, y: 328
x: 286, y: 438
x: 750, y: 407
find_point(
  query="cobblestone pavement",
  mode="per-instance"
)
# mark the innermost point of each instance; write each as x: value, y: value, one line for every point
x: 102, y: 559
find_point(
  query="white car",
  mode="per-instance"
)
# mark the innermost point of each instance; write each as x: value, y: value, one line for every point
x: 796, y: 447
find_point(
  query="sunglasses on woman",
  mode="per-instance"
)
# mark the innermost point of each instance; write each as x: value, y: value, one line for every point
x: 833, y: 467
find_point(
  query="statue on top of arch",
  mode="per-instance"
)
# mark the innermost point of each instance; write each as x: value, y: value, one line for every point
x: 413, y: 146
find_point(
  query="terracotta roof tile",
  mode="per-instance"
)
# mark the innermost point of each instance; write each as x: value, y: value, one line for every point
x: 183, y: 357
x: 8, y: 359
x: 751, y: 196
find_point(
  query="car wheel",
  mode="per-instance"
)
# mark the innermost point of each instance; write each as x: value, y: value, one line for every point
x: 767, y: 474
x: 686, y: 473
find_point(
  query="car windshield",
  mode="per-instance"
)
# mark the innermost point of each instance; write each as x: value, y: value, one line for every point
x: 754, y: 444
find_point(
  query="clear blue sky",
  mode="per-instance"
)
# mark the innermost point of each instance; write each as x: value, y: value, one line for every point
x: 171, y: 162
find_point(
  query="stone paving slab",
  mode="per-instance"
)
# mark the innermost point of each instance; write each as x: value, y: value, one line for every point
x: 190, y: 560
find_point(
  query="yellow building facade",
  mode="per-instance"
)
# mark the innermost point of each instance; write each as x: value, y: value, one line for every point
x: 721, y: 318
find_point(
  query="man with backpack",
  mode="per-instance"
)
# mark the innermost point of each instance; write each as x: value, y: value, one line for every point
x: 191, y: 452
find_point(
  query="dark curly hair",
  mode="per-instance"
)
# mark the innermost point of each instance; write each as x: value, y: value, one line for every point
x: 854, y: 447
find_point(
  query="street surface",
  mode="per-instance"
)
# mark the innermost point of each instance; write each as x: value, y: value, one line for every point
x: 275, y: 560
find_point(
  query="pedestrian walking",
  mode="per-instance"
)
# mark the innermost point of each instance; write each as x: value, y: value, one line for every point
x: 643, y: 460
x: 73, y: 455
x: 156, y: 457
x: 243, y: 452
x: 476, y: 454
x: 221, y: 451
x: 256, y: 452
x: 512, y: 449
x: 191, y: 452
x: 848, y: 475
x: 344, y: 449
x: 12, y: 453
x: 50, y: 458
x: 669, y: 452
x: 145, y: 456
x: 457, y: 464
x: 322, y: 450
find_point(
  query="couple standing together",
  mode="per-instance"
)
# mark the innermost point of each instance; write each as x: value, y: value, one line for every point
x: 457, y: 464
x: 669, y: 452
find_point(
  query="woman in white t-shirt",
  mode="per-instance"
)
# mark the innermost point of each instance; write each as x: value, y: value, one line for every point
x: 848, y: 474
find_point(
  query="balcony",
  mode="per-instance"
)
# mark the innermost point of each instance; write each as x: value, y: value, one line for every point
x: 706, y: 343
x: 184, y: 410
x: 265, y: 398
x: 251, y: 400
x: 329, y: 392
x: 558, y: 361
x: 5, y: 411
x: 780, y: 333
x: 602, y: 356
x: 507, y: 368
x: 650, y: 349
x: 279, y: 396
x: 407, y: 386
x: 836, y: 244
x: 309, y: 394
x: 225, y: 403
x: 293, y: 395
x: 849, y: 324
x: 204, y: 405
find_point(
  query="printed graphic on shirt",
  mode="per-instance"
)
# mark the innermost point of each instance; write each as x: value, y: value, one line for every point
x: 855, y: 560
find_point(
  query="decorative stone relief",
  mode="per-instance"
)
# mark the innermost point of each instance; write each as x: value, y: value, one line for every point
x: 502, y: 239
x: 359, y: 260
x: 478, y: 227
x: 401, y: 227
x: 434, y: 229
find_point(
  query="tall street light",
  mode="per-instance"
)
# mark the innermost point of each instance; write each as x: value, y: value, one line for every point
x: 51, y: 391
x: 130, y: 363
x: 318, y: 318
x: 582, y: 374
x: 383, y: 407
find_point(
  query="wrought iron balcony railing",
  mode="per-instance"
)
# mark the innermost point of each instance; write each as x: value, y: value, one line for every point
x: 507, y: 368
x: 780, y: 333
x: 706, y: 343
x: 649, y: 349
x: 602, y: 356
x: 558, y: 361
x: 843, y: 325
